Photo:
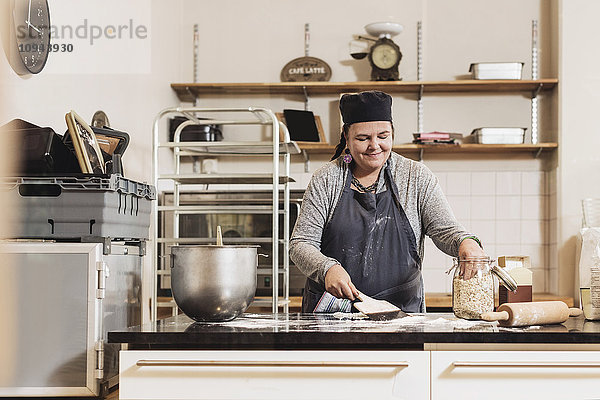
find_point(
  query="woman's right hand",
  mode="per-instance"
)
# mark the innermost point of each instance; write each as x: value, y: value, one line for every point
x: 339, y: 284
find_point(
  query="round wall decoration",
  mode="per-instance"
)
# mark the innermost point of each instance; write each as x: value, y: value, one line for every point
x: 306, y: 69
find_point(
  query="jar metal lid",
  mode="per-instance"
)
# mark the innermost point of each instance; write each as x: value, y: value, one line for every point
x: 505, y: 278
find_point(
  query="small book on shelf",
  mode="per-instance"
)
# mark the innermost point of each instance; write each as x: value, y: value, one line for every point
x: 436, y: 137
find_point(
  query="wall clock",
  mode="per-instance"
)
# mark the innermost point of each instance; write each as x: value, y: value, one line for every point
x: 30, y: 35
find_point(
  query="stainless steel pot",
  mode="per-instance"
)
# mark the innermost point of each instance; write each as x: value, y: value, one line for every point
x: 213, y: 283
x: 195, y: 133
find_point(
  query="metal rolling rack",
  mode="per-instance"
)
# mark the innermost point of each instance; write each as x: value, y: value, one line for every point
x: 275, y: 149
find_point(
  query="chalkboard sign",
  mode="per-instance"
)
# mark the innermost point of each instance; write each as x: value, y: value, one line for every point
x: 302, y: 126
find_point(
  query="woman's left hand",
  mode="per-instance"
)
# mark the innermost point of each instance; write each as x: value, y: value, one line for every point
x: 469, y: 248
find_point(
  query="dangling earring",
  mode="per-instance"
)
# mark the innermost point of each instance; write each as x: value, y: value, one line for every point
x: 347, y: 157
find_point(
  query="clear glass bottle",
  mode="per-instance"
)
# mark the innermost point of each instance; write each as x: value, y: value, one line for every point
x: 473, y: 286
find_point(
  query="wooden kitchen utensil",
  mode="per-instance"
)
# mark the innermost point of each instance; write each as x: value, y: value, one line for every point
x: 219, y: 236
x: 531, y: 313
x: 377, y: 309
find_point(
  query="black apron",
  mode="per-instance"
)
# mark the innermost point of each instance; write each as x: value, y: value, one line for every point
x: 372, y: 239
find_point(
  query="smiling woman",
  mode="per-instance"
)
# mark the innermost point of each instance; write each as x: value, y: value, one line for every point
x: 369, y: 144
x: 365, y: 215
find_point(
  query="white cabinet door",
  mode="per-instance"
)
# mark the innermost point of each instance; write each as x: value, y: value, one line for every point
x: 515, y: 374
x: 274, y: 375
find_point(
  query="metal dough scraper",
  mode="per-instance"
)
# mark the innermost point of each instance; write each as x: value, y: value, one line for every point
x: 379, y: 310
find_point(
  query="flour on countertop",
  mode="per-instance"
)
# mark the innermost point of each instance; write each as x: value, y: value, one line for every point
x: 414, y: 320
x: 344, y: 322
x: 253, y: 321
x: 520, y: 328
x: 343, y: 315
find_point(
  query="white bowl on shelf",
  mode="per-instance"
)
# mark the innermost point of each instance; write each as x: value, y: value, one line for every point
x: 379, y: 29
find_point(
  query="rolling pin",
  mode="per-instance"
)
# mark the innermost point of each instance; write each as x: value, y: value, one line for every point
x: 531, y: 313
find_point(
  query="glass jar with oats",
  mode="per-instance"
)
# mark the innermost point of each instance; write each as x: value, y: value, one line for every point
x: 473, y: 286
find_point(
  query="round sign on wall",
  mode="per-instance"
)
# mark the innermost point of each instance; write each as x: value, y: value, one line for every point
x: 306, y: 69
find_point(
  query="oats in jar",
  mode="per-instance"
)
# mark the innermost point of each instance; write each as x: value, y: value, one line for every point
x: 474, y: 296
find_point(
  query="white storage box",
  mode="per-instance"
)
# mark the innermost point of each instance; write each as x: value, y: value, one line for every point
x: 504, y: 70
x: 498, y: 135
x: 64, y: 299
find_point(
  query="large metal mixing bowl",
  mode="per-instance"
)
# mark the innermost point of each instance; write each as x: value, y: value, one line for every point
x: 213, y: 283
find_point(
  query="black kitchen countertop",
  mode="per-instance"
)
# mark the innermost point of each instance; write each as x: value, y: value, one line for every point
x: 339, y: 331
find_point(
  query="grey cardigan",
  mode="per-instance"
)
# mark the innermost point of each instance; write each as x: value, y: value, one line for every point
x: 420, y: 195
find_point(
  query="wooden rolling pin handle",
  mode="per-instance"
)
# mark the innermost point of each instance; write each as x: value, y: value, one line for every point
x: 495, y: 316
x: 575, y: 312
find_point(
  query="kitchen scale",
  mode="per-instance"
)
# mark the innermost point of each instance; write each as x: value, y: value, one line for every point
x: 384, y: 55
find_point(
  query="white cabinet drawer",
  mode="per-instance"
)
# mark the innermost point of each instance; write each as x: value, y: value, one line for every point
x: 515, y: 374
x: 274, y: 375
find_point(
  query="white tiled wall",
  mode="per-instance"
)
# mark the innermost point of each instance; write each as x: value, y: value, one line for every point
x: 508, y: 211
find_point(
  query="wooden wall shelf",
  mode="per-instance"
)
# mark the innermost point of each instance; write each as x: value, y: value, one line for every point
x: 188, y: 92
x: 536, y: 149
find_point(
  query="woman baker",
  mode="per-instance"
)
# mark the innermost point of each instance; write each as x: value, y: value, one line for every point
x: 365, y: 215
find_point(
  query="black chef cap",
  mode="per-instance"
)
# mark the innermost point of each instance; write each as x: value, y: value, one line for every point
x: 366, y: 106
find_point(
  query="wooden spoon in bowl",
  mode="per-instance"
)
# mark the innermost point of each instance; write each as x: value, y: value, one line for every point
x: 219, y: 236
